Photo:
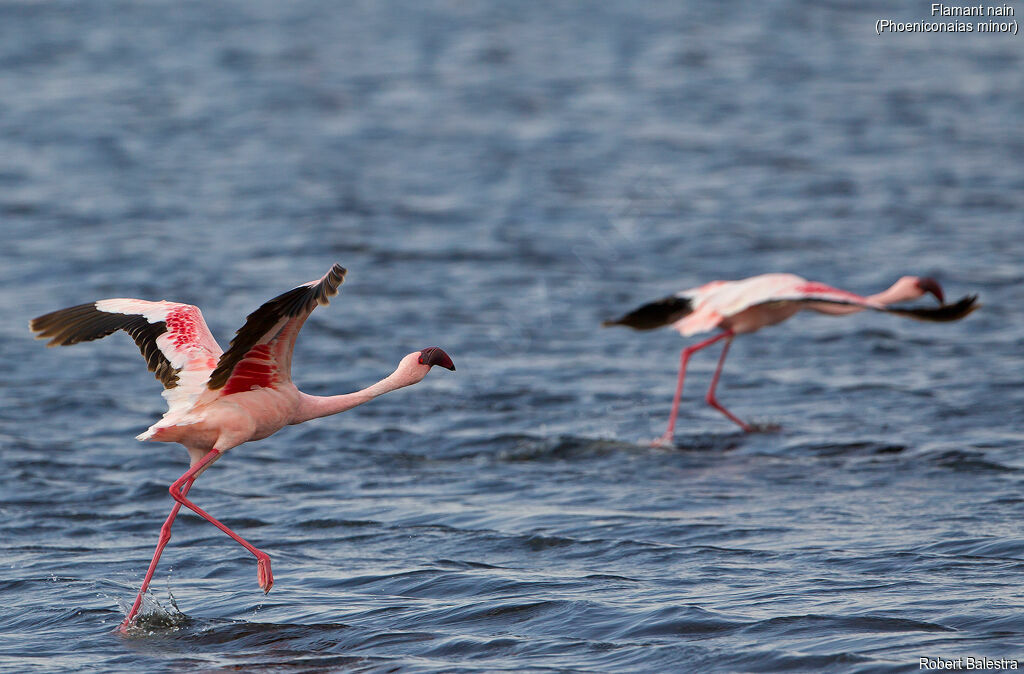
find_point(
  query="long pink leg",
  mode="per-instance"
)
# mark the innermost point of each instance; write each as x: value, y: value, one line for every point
x: 263, y: 575
x: 684, y: 358
x: 178, y: 490
x: 710, y: 397
x: 165, y: 536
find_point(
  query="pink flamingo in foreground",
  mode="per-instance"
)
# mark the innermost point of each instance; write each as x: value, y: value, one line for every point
x: 220, y: 399
x: 740, y: 307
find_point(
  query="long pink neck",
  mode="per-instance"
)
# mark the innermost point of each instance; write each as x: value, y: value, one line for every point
x: 904, y: 289
x: 314, y: 407
x: 900, y: 291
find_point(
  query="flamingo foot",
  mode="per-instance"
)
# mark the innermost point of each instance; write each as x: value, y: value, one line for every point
x: 711, y: 400
x: 129, y: 620
x: 664, y: 441
x: 263, y: 574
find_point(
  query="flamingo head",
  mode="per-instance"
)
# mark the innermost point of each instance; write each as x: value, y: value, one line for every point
x: 433, y: 355
x: 415, y: 366
x: 926, y: 284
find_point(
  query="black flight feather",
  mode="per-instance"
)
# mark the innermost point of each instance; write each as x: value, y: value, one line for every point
x: 655, y: 314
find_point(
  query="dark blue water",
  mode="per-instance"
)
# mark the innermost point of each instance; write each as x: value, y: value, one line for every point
x: 498, y: 178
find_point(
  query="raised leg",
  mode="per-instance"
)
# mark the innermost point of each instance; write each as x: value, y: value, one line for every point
x: 178, y: 491
x: 263, y: 575
x: 666, y: 438
x: 710, y: 397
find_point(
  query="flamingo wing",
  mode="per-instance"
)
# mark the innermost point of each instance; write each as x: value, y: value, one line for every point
x: 718, y: 300
x: 671, y: 309
x: 260, y: 354
x: 173, y: 338
x: 810, y: 293
x: 943, y: 313
x: 707, y: 307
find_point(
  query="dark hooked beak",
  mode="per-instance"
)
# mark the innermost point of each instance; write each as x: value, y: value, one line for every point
x: 433, y: 355
x: 930, y: 285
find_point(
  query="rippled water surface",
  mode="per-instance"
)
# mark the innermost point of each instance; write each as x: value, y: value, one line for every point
x: 498, y: 178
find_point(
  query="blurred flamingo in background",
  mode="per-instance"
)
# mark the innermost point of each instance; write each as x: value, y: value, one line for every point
x: 740, y: 307
x: 220, y: 399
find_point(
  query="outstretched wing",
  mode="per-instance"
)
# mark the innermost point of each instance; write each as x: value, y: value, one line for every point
x: 709, y: 306
x: 944, y: 313
x: 173, y: 338
x: 812, y: 294
x: 260, y: 355
x: 656, y: 314
x: 716, y: 303
x: 667, y: 310
x: 705, y: 307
